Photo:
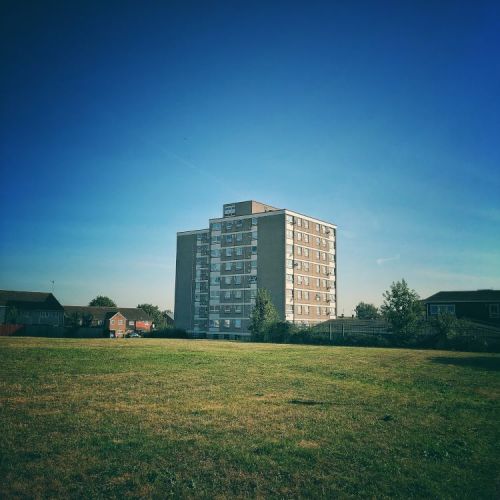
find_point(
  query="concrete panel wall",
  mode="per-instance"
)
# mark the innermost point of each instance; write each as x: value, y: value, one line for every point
x: 184, y: 281
x: 271, y: 258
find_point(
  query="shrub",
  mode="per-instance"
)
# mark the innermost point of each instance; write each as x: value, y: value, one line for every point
x: 167, y: 333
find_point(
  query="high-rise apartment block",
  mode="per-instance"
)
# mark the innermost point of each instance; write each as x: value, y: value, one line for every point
x: 253, y: 246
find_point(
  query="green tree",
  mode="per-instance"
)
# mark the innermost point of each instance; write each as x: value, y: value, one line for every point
x: 448, y: 326
x: 102, y: 301
x: 366, y: 311
x: 155, y: 313
x: 12, y: 316
x: 73, y: 320
x: 264, y: 315
x: 402, y: 308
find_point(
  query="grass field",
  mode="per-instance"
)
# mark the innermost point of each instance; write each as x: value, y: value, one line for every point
x: 176, y: 418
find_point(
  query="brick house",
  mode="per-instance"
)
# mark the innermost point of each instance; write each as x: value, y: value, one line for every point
x: 30, y: 308
x: 479, y: 305
x: 135, y: 320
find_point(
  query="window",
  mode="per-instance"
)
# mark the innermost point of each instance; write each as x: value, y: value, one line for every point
x: 289, y: 249
x: 299, y: 236
x: 227, y: 295
x: 253, y: 264
x: 229, y: 238
x: 289, y: 219
x: 254, y: 250
x: 237, y: 309
x: 323, y: 282
x: 239, y: 237
x: 289, y: 278
x: 289, y: 263
x: 120, y: 321
x: 289, y: 309
x: 317, y: 268
x: 317, y: 227
x: 299, y: 250
x: 494, y: 310
x: 305, y: 265
x: 130, y: 323
x: 318, y: 240
x: 228, y: 280
x: 239, y: 266
x: 229, y: 252
x: 318, y: 311
x: 323, y: 256
x: 254, y: 221
x: 442, y: 309
x: 252, y: 279
x: 306, y: 238
x: 239, y: 251
x: 216, y: 226
x: 228, y: 266
x: 299, y: 294
x: 214, y: 280
x: 237, y: 294
x: 214, y: 294
x: 215, y: 267
x: 227, y: 309
x: 112, y: 322
x: 306, y: 224
x: 306, y: 252
x: 298, y: 264
x: 318, y: 283
x: 229, y: 226
x: 306, y: 309
x: 318, y: 255
x: 253, y: 294
x: 237, y: 323
x: 215, y: 252
x: 299, y: 309
x: 214, y: 323
x: 229, y: 209
x: 237, y: 280
x: 298, y: 221
x: 289, y: 234
x: 227, y: 323
x: 254, y: 235
x: 306, y: 280
x: 299, y: 280
x: 306, y: 295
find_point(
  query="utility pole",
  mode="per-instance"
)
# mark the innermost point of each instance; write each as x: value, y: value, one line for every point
x: 52, y: 287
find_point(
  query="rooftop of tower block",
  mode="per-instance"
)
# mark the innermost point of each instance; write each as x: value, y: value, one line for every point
x: 246, y: 208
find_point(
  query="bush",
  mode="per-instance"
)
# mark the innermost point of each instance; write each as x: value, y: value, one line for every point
x: 167, y: 333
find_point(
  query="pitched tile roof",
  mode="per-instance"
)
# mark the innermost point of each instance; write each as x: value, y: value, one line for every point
x: 29, y: 300
x: 465, y: 296
x: 101, y: 313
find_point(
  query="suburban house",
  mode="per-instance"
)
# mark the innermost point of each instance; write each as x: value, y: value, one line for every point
x: 115, y: 319
x: 116, y: 324
x: 479, y: 305
x: 30, y: 308
x: 169, y: 318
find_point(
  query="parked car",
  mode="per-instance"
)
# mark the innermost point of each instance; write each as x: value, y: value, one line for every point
x: 134, y: 335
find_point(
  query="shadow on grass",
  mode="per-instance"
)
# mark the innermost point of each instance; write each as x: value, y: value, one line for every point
x: 477, y: 362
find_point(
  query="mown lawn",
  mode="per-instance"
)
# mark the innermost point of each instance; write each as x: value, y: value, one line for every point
x: 176, y: 418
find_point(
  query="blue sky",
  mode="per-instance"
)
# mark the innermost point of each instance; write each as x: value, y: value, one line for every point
x: 124, y: 123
